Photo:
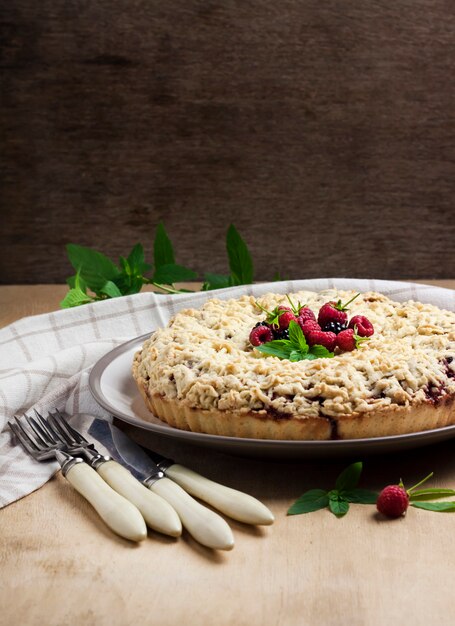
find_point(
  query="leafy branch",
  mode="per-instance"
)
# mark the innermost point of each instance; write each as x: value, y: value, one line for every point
x: 97, y: 277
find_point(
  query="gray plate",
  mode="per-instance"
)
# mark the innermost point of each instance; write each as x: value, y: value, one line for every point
x: 114, y: 388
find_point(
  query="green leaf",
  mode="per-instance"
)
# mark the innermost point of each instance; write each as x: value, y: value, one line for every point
x: 440, y: 507
x: 360, y: 496
x: 349, y: 478
x: 94, y: 267
x: 338, y: 506
x: 163, y: 251
x: 170, y: 274
x: 310, y: 501
x: 76, y: 281
x: 240, y: 262
x: 297, y: 337
x: 110, y: 289
x: 431, y: 494
x: 215, y: 281
x: 75, y: 297
x: 136, y: 261
x: 280, y: 348
x: 321, y: 352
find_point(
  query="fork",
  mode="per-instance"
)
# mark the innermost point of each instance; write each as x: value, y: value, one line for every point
x: 117, y: 512
x: 156, y: 511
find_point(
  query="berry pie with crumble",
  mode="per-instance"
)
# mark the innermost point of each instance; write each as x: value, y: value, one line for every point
x: 303, y: 366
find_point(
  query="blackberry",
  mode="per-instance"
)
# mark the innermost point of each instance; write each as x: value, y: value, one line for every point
x: 334, y: 327
x: 281, y: 334
x: 260, y: 324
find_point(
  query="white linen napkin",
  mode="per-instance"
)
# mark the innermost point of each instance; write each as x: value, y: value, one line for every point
x: 45, y: 360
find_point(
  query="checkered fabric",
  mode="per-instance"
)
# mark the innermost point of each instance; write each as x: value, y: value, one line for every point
x: 45, y: 360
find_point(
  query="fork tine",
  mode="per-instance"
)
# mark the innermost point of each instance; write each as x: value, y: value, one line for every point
x: 65, y: 424
x: 25, y: 433
x: 60, y: 432
x: 46, y: 427
x: 23, y: 439
x: 42, y: 438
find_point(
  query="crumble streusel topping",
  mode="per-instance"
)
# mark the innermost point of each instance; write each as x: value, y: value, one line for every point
x: 204, y: 359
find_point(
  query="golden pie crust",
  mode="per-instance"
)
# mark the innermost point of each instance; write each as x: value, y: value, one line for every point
x: 201, y: 374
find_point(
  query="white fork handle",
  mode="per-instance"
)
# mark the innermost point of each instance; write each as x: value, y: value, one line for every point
x: 236, y: 504
x: 204, y: 525
x: 158, y: 513
x: 120, y: 515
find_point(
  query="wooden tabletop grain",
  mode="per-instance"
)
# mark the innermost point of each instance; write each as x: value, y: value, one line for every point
x: 60, y: 565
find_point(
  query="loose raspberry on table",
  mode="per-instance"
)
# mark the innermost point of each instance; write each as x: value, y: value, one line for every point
x: 261, y: 334
x: 393, y: 501
x: 319, y: 337
x: 364, y: 326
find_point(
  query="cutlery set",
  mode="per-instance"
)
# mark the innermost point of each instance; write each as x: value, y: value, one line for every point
x: 131, y: 489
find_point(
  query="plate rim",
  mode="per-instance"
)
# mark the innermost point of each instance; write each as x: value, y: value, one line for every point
x: 433, y: 435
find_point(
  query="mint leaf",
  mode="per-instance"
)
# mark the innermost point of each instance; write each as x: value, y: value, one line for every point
x: 75, y: 297
x: 240, y: 262
x: 321, y: 352
x: 215, y: 281
x: 170, y: 274
x: 76, y: 282
x: 430, y: 494
x: 349, y: 478
x: 136, y: 261
x: 295, y: 355
x: 338, y: 505
x: 441, y: 507
x: 279, y: 347
x: 297, y: 337
x: 163, y: 251
x: 94, y: 267
x: 110, y: 289
x: 360, y: 496
x: 310, y: 501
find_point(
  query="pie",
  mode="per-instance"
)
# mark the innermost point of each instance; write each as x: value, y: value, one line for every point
x: 201, y: 373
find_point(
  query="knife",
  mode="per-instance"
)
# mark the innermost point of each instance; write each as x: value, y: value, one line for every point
x: 204, y: 525
x: 236, y: 504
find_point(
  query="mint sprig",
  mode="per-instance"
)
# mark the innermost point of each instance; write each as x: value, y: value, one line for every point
x: 338, y: 499
x: 97, y: 277
x: 295, y: 348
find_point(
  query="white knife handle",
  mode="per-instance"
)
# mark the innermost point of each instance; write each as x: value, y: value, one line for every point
x: 158, y: 513
x: 236, y: 504
x: 120, y: 515
x: 204, y: 525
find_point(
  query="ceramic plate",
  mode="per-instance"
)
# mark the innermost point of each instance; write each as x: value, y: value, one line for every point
x: 114, y: 388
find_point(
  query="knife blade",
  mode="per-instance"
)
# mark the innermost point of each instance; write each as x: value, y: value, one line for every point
x: 204, y: 525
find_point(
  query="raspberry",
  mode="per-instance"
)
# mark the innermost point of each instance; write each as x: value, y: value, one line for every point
x: 320, y: 338
x: 393, y: 501
x: 283, y: 308
x: 364, y: 326
x: 334, y: 327
x: 261, y: 334
x: 306, y: 313
x: 328, y: 313
x: 285, y: 318
x: 334, y: 312
x: 307, y: 325
x: 346, y: 340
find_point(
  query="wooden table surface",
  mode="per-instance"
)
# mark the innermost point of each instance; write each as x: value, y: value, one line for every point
x: 61, y: 566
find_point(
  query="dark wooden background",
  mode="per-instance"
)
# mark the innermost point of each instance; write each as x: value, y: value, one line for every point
x: 324, y: 130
